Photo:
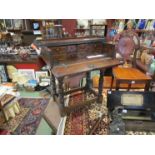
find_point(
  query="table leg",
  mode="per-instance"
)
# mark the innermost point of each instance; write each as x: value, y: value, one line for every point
x: 88, y: 80
x: 61, y: 96
x: 117, y: 84
x: 53, y: 83
x: 112, y: 81
x: 129, y: 86
x: 147, y: 85
x: 100, y: 87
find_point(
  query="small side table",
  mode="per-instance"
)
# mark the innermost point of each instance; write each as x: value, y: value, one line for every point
x: 130, y: 76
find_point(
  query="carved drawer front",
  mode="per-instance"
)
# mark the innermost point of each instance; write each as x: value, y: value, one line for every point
x: 105, y: 48
x: 82, y: 48
x: 71, y: 51
x: 59, y: 53
x: 98, y: 46
x: 57, y: 57
x: 61, y: 49
x: 90, y: 48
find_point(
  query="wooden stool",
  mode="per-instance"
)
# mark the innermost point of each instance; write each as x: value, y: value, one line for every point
x: 9, y: 106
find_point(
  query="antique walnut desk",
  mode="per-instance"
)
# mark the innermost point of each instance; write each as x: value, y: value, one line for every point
x: 84, y: 66
x: 71, y: 57
x: 130, y: 76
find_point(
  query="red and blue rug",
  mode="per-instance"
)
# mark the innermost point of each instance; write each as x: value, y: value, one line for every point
x: 81, y: 121
x: 30, y: 123
x: 27, y: 122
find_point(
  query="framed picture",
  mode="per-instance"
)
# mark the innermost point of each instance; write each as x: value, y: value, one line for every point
x: 40, y: 75
x: 45, y: 79
x: 3, y: 73
x: 29, y: 73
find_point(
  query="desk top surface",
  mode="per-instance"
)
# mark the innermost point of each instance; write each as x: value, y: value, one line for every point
x: 84, y: 65
x: 129, y: 74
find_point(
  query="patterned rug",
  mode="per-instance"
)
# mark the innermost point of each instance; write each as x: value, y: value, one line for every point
x: 13, y: 123
x: 27, y: 122
x: 77, y: 123
x: 30, y: 123
x: 81, y: 121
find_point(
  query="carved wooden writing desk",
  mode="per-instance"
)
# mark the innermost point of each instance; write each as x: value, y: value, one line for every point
x: 85, y: 66
x: 69, y: 57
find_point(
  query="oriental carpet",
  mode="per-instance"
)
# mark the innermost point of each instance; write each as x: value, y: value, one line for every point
x: 27, y: 122
x: 81, y: 121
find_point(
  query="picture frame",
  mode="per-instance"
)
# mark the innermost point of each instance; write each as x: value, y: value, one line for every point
x: 29, y: 73
x: 46, y: 79
x: 41, y: 75
x: 3, y: 73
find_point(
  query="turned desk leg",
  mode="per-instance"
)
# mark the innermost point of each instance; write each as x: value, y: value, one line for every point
x: 61, y: 96
x: 100, y: 87
x: 88, y: 80
x: 53, y: 86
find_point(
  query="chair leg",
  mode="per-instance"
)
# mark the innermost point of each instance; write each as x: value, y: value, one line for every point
x: 112, y: 81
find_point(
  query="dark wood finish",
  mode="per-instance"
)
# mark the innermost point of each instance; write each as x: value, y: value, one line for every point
x: 61, y: 71
x: 130, y: 76
x: 68, y: 57
x: 100, y: 87
x: 61, y: 95
x: 88, y: 81
x: 74, y: 90
x: 83, y: 66
x: 69, y: 41
x: 71, y: 50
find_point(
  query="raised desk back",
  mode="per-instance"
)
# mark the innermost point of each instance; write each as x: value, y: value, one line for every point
x: 64, y: 51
